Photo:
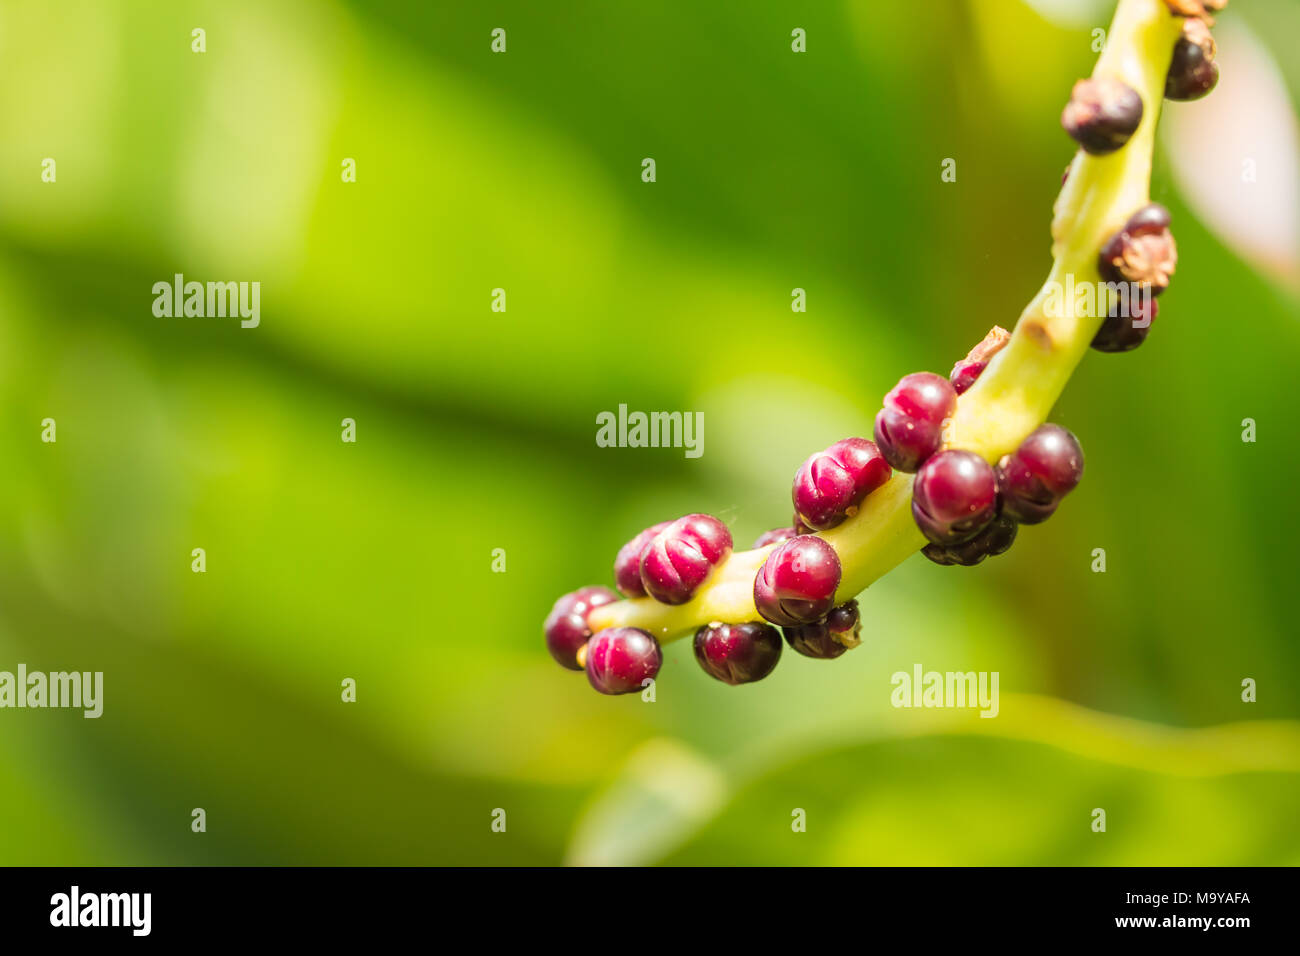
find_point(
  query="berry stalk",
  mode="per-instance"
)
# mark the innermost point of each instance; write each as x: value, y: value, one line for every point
x: 1022, y: 382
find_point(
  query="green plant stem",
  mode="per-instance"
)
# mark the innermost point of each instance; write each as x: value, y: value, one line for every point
x: 1016, y: 392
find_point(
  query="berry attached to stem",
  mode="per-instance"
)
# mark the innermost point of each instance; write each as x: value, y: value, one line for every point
x: 954, y: 496
x: 566, y: 626
x: 627, y: 564
x: 620, y: 659
x: 1102, y: 114
x: 1034, y: 478
x: 831, y: 484
x: 679, y: 558
x: 995, y: 539
x: 797, y: 582
x: 965, y: 372
x: 827, y: 639
x: 1123, y: 332
x: 775, y: 536
x: 1143, y: 251
x: 1193, y: 72
x: 909, y: 428
x: 738, y: 653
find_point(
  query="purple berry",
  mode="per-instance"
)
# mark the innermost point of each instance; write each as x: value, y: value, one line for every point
x: 830, y: 637
x: 677, y: 560
x: 909, y: 428
x: 566, y: 626
x: 1034, y: 478
x: 1122, y: 333
x: 1192, y: 72
x: 831, y: 484
x: 965, y: 372
x: 738, y: 653
x: 1143, y: 251
x: 627, y: 565
x: 995, y: 539
x: 1102, y: 114
x: 775, y: 536
x: 618, y: 659
x: 954, y: 496
x: 797, y: 582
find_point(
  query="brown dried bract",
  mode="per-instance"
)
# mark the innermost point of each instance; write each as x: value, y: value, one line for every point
x: 1196, y: 8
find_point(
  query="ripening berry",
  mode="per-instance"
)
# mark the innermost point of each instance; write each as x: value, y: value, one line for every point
x: 1034, y: 478
x: 566, y: 626
x: 797, y: 582
x: 678, y: 559
x: 998, y: 535
x: 830, y: 637
x: 954, y: 496
x: 1192, y: 72
x: 627, y: 564
x: 1143, y: 251
x: 1121, y: 333
x: 1102, y: 114
x: 775, y: 536
x: 738, y: 653
x: 619, y: 659
x: 831, y: 484
x: 909, y: 428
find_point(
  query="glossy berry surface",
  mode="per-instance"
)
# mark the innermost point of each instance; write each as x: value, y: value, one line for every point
x: 738, y: 653
x: 830, y: 637
x: 679, y: 558
x: 627, y: 564
x: 775, y: 536
x: 620, y: 658
x: 909, y: 427
x: 797, y: 582
x: 1102, y: 115
x: 831, y: 484
x: 1192, y: 72
x: 1034, y: 478
x: 1123, y: 333
x: 566, y: 626
x: 998, y: 535
x: 954, y: 495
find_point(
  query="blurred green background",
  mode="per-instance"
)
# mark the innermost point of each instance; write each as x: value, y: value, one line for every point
x: 475, y: 431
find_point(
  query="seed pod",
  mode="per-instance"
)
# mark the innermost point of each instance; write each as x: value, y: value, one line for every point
x: 678, y: 559
x: 619, y: 659
x: 566, y: 626
x: 1143, y: 251
x: 1192, y: 72
x: 965, y: 372
x: 1102, y: 114
x: 831, y: 484
x: 738, y: 653
x: 627, y: 564
x: 827, y: 639
x: 797, y: 582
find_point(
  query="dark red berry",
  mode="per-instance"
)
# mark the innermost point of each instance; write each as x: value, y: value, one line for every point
x: 997, y: 536
x: 909, y: 428
x: 1102, y: 114
x: 566, y: 626
x: 627, y: 564
x: 1143, y: 251
x: 738, y: 653
x: 1122, y: 332
x: 797, y: 582
x: 1192, y: 72
x: 619, y: 659
x: 1034, y: 478
x: 830, y: 637
x: 831, y: 484
x: 775, y: 536
x: 954, y: 496
x: 678, y: 559
x: 965, y: 372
